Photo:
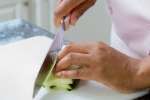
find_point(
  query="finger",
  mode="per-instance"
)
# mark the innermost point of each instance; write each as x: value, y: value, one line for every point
x: 67, y: 22
x: 73, y: 47
x: 72, y: 59
x: 64, y: 8
x: 74, y: 74
x: 80, y: 10
x: 54, y: 19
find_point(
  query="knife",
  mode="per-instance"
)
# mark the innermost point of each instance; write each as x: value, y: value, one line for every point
x: 51, y: 58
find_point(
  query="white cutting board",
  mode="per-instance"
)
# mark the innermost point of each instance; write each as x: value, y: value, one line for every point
x: 19, y: 66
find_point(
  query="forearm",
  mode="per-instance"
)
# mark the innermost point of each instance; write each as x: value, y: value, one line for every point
x: 134, y: 76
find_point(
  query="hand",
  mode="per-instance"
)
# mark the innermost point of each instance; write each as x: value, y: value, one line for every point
x: 100, y: 63
x: 73, y: 9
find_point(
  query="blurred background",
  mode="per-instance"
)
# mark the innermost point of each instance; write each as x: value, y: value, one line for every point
x: 93, y: 26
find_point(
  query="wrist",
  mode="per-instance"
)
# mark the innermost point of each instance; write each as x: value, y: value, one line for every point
x: 134, y: 65
x: 141, y: 79
x: 131, y: 83
x: 138, y: 76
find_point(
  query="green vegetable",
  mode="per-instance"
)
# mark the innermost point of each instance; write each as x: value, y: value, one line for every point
x: 54, y: 83
x: 58, y: 84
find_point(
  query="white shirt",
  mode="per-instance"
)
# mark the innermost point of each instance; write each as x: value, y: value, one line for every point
x: 131, y: 26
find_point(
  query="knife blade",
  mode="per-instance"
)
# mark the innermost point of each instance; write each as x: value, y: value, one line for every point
x: 50, y: 59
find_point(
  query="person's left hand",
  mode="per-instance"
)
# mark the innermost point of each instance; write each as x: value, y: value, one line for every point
x: 98, y: 62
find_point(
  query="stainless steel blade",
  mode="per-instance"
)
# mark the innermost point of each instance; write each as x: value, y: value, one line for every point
x: 42, y: 73
x: 51, y: 58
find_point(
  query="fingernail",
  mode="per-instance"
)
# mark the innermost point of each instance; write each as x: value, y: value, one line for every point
x: 59, y: 74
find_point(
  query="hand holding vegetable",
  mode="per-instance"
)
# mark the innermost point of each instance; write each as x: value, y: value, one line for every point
x: 101, y: 63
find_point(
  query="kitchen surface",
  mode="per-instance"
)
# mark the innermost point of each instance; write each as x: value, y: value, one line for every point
x: 27, y: 31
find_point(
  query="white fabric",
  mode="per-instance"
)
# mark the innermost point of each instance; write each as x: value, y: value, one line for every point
x: 131, y: 19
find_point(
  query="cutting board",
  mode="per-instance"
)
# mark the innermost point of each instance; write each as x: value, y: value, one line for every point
x: 19, y: 66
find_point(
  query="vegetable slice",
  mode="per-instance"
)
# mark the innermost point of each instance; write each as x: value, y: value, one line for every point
x: 54, y: 83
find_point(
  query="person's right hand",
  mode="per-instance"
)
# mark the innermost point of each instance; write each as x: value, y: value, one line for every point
x: 72, y: 9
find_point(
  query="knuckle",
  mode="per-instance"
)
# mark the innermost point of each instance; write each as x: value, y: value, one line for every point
x: 70, y: 58
x: 99, y: 51
x: 69, y: 47
x: 56, y: 13
x: 101, y: 45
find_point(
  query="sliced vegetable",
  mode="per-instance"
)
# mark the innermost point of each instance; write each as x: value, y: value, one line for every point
x: 54, y: 83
